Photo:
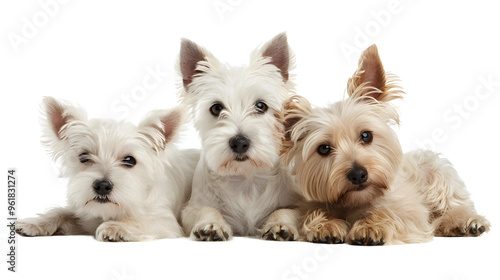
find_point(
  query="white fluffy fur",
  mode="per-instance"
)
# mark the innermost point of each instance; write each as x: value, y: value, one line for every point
x: 146, y: 200
x: 238, y: 197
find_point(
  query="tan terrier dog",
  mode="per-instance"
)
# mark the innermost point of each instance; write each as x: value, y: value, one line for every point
x: 359, y: 186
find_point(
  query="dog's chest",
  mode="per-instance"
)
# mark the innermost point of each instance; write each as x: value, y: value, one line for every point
x: 246, y: 204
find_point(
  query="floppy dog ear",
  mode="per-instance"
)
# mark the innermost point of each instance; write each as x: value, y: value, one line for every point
x: 296, y: 108
x: 277, y: 49
x: 370, y: 79
x: 161, y: 127
x: 190, y: 55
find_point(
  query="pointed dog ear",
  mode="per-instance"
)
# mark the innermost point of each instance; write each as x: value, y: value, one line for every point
x: 58, y: 118
x: 162, y: 126
x: 190, y: 55
x: 277, y: 49
x: 58, y: 115
x: 370, y: 79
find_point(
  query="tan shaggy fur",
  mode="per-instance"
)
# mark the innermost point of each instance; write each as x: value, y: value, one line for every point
x: 402, y: 198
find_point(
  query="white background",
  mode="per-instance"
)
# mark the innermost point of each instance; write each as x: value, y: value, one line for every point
x: 94, y: 53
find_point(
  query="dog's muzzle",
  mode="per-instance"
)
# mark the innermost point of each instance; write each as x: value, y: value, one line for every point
x: 240, y: 145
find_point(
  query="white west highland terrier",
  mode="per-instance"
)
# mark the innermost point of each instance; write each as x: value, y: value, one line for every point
x: 240, y: 185
x: 125, y: 182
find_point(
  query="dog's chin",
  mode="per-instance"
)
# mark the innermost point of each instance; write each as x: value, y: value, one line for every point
x: 359, y: 195
x: 241, y: 158
x: 241, y: 165
x: 102, y: 199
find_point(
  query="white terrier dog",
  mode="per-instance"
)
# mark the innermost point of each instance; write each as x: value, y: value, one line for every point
x: 240, y: 186
x: 125, y: 183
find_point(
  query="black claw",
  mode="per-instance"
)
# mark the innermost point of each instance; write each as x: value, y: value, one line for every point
x: 205, y: 232
x: 382, y: 241
x: 226, y: 235
x: 481, y: 229
x: 270, y: 237
x: 284, y: 234
x: 216, y: 237
x: 473, y: 230
x: 197, y: 234
x: 22, y: 233
x: 315, y: 240
x: 336, y: 240
x: 359, y: 241
x: 324, y: 239
x: 373, y: 242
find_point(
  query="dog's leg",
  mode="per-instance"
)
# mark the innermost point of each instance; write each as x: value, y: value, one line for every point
x: 140, y: 229
x: 318, y: 227
x: 460, y: 221
x: 205, y: 224
x: 400, y: 216
x: 452, y: 211
x: 391, y: 225
x: 57, y: 221
x: 281, y: 225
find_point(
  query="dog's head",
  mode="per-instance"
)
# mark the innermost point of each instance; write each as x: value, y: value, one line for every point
x: 110, y: 166
x: 238, y: 110
x: 346, y: 153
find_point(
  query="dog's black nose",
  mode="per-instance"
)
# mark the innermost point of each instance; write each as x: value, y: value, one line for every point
x: 103, y: 187
x: 358, y: 176
x: 239, y: 144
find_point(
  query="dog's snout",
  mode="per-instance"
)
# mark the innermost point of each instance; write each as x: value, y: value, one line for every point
x: 103, y: 187
x: 239, y: 144
x: 358, y: 176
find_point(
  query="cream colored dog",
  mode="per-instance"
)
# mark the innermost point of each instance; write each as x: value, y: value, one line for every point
x: 359, y: 186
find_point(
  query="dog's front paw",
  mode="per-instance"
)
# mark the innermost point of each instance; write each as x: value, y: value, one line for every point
x: 30, y: 229
x: 331, y: 231
x: 368, y: 234
x: 211, y: 232
x: 461, y: 224
x: 113, y: 231
x: 279, y: 232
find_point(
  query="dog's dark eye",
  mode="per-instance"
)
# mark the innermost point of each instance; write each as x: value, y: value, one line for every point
x: 261, y: 107
x: 367, y: 137
x: 324, y: 150
x: 216, y: 109
x: 84, y: 157
x: 128, y: 161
